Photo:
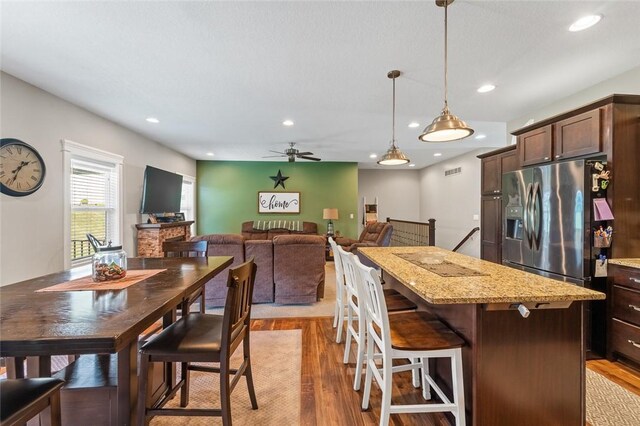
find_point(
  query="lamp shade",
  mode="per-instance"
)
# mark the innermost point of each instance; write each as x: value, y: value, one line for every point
x: 393, y: 157
x: 331, y: 214
x: 446, y: 128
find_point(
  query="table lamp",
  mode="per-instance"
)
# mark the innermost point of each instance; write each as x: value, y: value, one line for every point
x: 330, y: 214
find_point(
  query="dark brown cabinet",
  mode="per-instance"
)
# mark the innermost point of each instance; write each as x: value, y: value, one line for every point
x: 494, y: 164
x: 491, y: 228
x: 579, y: 135
x: 536, y: 146
x: 624, y: 313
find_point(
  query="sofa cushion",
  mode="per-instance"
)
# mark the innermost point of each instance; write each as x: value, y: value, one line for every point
x: 221, y: 245
x: 262, y: 253
x: 298, y: 268
x: 372, y: 231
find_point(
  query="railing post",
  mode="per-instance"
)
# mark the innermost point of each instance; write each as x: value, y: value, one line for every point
x: 432, y: 232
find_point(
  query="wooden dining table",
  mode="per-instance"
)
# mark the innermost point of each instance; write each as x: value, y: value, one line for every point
x: 37, y: 325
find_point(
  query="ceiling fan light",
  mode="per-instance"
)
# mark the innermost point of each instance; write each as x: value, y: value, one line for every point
x: 393, y: 157
x: 445, y: 128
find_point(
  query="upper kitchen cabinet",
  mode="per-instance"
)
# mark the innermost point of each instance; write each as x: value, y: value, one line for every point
x: 494, y: 164
x: 579, y: 135
x: 536, y: 146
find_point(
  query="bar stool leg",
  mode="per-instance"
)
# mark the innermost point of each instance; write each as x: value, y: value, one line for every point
x: 368, y: 376
x: 347, y: 341
x: 458, y: 386
x: 385, y: 403
x: 426, y: 388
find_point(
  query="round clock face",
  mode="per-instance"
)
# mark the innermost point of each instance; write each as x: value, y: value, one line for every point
x: 21, y: 168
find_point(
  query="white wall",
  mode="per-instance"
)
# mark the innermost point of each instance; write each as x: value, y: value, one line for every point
x: 453, y: 201
x: 625, y: 83
x: 398, y: 193
x: 31, y: 232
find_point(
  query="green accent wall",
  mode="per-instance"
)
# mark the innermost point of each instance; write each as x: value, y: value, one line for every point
x: 227, y: 193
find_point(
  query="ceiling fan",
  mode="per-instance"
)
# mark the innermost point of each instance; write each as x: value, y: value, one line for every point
x: 292, y: 153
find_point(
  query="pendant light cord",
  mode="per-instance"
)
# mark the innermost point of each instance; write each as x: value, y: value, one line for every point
x: 393, y: 119
x: 446, y: 105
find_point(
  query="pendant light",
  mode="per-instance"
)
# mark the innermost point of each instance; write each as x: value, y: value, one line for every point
x: 446, y: 127
x: 393, y: 156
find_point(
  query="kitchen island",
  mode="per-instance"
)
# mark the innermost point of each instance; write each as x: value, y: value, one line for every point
x: 524, y: 361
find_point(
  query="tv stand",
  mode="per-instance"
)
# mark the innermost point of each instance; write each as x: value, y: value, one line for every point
x: 152, y: 235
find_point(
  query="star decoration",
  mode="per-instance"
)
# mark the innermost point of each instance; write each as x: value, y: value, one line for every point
x: 279, y: 180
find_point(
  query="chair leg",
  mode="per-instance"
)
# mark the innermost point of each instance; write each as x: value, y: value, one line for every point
x: 360, y: 355
x: 54, y: 402
x: 225, y: 392
x: 385, y: 403
x: 144, y: 391
x: 248, y: 374
x: 202, y: 307
x: 347, y: 340
x: 458, y: 387
x: 184, y: 391
x: 335, y: 315
x: 368, y: 375
x: 426, y: 388
x: 415, y: 372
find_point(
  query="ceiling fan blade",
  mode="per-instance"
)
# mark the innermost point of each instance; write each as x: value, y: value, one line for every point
x: 304, y: 153
x: 309, y: 158
x: 273, y: 156
x: 277, y: 152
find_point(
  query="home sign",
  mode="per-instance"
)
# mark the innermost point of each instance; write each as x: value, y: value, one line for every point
x: 279, y: 202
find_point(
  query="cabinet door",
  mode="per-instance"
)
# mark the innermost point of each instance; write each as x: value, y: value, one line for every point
x: 491, y: 175
x: 509, y: 162
x: 579, y: 135
x: 536, y: 146
x: 491, y: 228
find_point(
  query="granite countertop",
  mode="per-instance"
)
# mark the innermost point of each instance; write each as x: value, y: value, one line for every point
x: 630, y: 262
x: 495, y: 283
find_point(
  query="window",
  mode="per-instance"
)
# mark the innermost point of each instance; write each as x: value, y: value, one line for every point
x: 187, y: 202
x: 93, y: 198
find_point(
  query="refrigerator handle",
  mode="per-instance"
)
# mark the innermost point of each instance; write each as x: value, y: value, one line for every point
x: 527, y: 215
x: 537, y: 215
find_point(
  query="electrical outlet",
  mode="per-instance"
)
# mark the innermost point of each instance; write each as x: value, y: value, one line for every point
x: 476, y: 217
x: 351, y: 216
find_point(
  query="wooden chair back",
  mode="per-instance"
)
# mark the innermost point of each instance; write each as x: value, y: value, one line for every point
x: 185, y: 248
x: 350, y: 280
x: 375, y: 306
x: 237, y: 308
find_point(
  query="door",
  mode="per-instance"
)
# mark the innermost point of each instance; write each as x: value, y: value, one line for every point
x: 557, y: 218
x: 535, y: 146
x: 490, y: 215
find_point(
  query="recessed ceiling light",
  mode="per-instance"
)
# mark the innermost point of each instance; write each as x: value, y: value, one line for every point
x: 412, y: 165
x: 153, y: 120
x: 437, y: 154
x: 481, y: 136
x: 413, y: 124
x: 486, y: 88
x: 585, y: 22
x: 210, y: 154
x: 287, y: 123
x: 373, y: 155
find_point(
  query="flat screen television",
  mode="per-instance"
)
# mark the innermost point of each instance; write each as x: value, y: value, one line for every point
x: 161, y: 191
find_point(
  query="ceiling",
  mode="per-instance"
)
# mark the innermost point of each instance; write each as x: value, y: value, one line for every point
x: 222, y: 76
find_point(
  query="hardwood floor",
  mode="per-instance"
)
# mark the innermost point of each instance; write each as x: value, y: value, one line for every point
x: 328, y: 397
x: 618, y: 373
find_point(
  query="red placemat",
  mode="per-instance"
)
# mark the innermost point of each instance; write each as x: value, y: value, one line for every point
x: 87, y: 283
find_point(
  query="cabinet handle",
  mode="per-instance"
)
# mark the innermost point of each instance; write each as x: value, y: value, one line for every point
x: 546, y: 158
x: 496, y: 191
x: 637, y: 345
x: 558, y: 156
x: 496, y: 198
x: 635, y: 308
x: 635, y: 280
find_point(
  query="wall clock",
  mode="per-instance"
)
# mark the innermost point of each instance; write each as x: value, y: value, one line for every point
x: 22, y: 168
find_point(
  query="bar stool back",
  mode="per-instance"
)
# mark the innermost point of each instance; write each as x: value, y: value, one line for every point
x: 387, y: 340
x: 338, y: 316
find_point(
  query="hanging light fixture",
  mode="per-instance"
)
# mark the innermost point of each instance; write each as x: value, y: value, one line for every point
x: 393, y: 156
x: 446, y: 127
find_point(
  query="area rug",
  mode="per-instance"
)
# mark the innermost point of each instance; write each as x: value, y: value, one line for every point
x: 323, y: 308
x: 276, y: 357
x: 609, y: 403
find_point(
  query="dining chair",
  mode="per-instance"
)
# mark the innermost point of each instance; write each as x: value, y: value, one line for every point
x: 22, y: 399
x: 198, y: 337
x: 413, y: 335
x: 340, y: 307
x: 355, y: 313
x: 188, y: 249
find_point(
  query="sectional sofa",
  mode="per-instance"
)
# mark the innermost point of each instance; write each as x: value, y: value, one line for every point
x: 268, y: 229
x: 290, y: 267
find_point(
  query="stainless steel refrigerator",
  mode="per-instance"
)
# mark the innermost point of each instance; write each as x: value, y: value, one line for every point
x: 546, y: 220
